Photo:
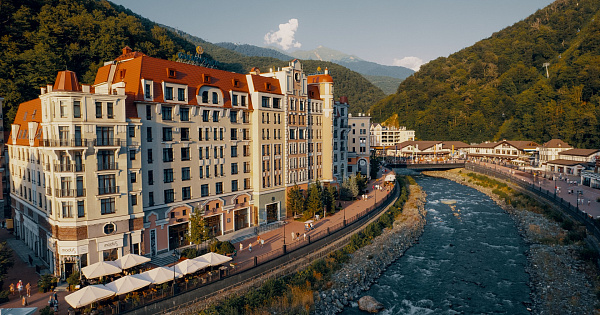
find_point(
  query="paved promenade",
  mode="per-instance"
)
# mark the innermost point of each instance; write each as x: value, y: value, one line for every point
x: 587, y: 193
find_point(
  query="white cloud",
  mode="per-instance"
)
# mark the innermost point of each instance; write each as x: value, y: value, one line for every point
x: 284, y: 37
x: 409, y: 62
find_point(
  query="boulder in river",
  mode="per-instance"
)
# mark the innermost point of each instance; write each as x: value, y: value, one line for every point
x: 369, y: 304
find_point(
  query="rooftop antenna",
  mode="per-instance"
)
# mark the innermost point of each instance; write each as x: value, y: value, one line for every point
x: 546, y: 65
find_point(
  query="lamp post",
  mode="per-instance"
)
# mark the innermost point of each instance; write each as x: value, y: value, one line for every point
x: 284, y: 236
x: 175, y: 258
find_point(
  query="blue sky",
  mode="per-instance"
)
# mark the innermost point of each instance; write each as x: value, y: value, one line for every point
x: 401, y: 32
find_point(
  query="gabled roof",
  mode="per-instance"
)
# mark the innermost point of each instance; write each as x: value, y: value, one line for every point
x: 423, y: 145
x: 485, y: 145
x: 523, y: 145
x: 30, y: 111
x: 580, y: 152
x: 457, y: 145
x: 566, y: 162
x: 556, y: 143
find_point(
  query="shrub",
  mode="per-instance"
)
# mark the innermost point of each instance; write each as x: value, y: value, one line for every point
x: 46, y: 282
x: 222, y: 248
x: 4, y: 296
x: 189, y: 253
x: 567, y: 225
x: 46, y: 311
x: 73, y: 279
x: 588, y: 254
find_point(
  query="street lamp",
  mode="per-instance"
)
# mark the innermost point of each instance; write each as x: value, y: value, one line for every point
x: 175, y: 258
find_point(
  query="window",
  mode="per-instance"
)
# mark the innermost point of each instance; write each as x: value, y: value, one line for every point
x: 201, y: 174
x: 106, y: 160
x: 80, y: 208
x: 205, y: 115
x: 207, y: 171
x: 185, y: 173
x: 265, y: 102
x: 76, y: 109
x: 167, y: 154
x: 185, y: 154
x: 67, y: 211
x: 206, y: 134
x: 181, y: 94
x: 168, y: 175
x: 109, y: 228
x: 216, y: 116
x: 234, y: 100
x: 233, y: 116
x: 167, y: 134
x: 185, y: 134
x: 110, y: 255
x: 147, y: 93
x: 221, y: 131
x: 243, y: 98
x: 169, y: 195
x: 107, y: 206
x: 186, y: 193
x: 246, y: 167
x: 151, y: 198
x: 148, y: 112
x: 204, y: 190
x: 150, y: 159
x: 215, y: 98
x: 150, y: 177
x: 98, y: 110
x: 167, y: 112
x: 234, y: 185
x: 132, y: 155
x: 132, y: 177
x: 234, y: 168
x: 200, y: 153
x: 131, y: 131
x: 219, y: 188
x: 168, y: 93
x: 277, y: 103
x: 148, y: 134
x: 221, y: 152
x: 205, y: 97
x: 133, y: 200
x: 246, y: 183
x: 184, y: 114
x: 234, y: 133
x: 234, y: 151
x: 109, y: 110
x: 106, y: 184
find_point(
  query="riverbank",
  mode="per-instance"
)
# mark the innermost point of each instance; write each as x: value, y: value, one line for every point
x: 560, y: 281
x: 369, y: 262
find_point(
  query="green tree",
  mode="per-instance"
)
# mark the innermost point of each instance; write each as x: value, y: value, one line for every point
x: 349, y: 189
x: 361, y: 182
x: 295, y: 202
x: 314, y: 203
x: 6, y: 260
x: 374, y: 167
x: 199, y: 231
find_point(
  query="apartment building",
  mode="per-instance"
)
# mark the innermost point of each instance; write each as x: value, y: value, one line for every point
x: 118, y: 167
x: 359, y: 144
x: 72, y: 152
x: 382, y: 136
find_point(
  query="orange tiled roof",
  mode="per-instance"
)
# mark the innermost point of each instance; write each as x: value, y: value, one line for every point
x: 28, y: 112
x: 319, y: 78
x: 260, y: 84
x: 314, y: 92
x: 66, y: 81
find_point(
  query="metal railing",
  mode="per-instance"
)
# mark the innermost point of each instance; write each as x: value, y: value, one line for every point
x: 65, y: 193
x: 108, y: 190
x: 65, y: 142
x: 71, y: 167
x: 107, y: 142
x: 108, y: 166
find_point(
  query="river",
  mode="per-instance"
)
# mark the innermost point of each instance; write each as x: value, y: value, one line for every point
x: 469, y: 260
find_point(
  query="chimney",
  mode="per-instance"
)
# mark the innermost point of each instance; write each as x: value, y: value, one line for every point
x: 344, y: 99
x: 255, y: 71
x: 326, y: 70
x: 126, y: 50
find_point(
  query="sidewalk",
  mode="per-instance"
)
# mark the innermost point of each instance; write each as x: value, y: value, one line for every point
x: 26, y: 273
x: 589, y: 193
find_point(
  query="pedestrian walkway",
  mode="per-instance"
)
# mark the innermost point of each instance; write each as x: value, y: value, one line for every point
x: 238, y: 236
x: 163, y: 259
x: 25, y: 253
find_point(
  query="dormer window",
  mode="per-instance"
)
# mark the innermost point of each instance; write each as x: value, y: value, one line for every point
x: 236, y: 83
x: 122, y: 74
x: 206, y: 78
x: 169, y: 93
x: 268, y: 86
x: 171, y: 73
x: 215, y: 98
x: 147, y: 91
x: 181, y: 94
x: 205, y: 97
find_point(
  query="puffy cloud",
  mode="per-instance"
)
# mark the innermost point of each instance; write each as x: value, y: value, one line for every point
x: 409, y: 62
x: 284, y: 37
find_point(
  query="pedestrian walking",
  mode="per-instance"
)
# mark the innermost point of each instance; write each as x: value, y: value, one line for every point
x: 305, y: 236
x: 293, y: 236
x: 20, y: 287
x: 241, y: 247
x: 250, y: 247
x: 55, y: 306
x: 50, y: 301
x: 24, y: 301
x: 55, y: 296
x: 12, y: 288
x: 28, y: 289
x: 258, y: 239
x: 262, y: 243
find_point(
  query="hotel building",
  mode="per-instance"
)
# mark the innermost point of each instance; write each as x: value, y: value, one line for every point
x: 101, y: 171
x: 359, y: 144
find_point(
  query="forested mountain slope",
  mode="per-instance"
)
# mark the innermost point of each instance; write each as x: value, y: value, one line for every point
x: 498, y: 89
x: 38, y: 38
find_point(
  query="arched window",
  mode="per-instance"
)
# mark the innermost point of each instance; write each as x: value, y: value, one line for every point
x: 205, y: 97
x: 215, y: 97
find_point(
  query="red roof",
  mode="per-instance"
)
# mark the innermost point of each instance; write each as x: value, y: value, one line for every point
x: 66, y: 81
x: 319, y: 78
x: 30, y: 111
x: 556, y: 143
x: 314, y: 92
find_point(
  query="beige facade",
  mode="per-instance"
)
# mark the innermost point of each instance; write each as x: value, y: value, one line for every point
x: 359, y: 144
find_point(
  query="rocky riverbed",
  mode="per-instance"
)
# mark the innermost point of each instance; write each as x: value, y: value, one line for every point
x: 561, y: 283
x: 367, y: 263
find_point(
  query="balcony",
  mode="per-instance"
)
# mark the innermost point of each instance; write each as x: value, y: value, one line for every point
x: 108, y: 166
x: 108, y: 190
x: 48, y: 191
x: 107, y: 142
x: 66, y: 193
x: 61, y: 143
x: 69, y: 168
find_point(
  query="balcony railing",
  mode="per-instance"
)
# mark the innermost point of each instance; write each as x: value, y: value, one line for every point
x: 107, y: 142
x: 108, y: 166
x: 64, y: 193
x: 107, y: 190
x: 65, y: 143
x: 73, y: 167
x: 48, y: 191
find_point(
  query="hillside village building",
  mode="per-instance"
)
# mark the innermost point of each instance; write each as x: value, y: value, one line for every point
x: 359, y: 144
x: 382, y: 136
x: 101, y: 171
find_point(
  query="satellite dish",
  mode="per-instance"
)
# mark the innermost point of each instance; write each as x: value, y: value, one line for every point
x: 199, y: 50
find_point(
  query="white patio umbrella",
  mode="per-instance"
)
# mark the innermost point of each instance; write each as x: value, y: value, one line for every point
x: 190, y: 266
x: 88, y: 295
x: 99, y: 269
x: 128, y: 284
x: 213, y: 259
x: 160, y: 275
x: 131, y: 260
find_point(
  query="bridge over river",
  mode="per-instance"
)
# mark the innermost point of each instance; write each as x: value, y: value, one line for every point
x: 426, y: 166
